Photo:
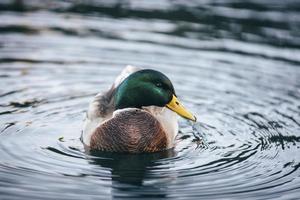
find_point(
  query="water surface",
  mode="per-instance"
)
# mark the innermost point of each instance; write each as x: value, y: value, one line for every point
x: 235, y: 64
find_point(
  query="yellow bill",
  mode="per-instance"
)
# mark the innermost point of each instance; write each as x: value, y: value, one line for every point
x: 177, y: 107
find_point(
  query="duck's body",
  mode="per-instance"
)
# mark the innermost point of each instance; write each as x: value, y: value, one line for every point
x: 132, y: 116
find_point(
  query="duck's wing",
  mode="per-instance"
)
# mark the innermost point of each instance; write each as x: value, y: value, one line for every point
x: 129, y: 69
x: 101, y: 108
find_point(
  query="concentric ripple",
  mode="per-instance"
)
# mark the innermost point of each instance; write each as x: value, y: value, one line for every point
x: 236, y: 65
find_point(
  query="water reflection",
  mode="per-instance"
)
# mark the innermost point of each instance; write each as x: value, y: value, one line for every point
x: 130, y: 172
x: 129, y: 168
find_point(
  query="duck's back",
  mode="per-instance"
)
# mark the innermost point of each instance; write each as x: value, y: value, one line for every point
x: 130, y: 130
x: 101, y: 108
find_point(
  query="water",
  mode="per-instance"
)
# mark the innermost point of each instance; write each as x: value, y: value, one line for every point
x: 235, y: 64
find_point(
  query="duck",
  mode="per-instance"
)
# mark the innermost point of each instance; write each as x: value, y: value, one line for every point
x: 138, y: 114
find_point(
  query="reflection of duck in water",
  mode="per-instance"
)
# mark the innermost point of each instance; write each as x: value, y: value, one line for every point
x: 129, y: 168
x: 136, y: 115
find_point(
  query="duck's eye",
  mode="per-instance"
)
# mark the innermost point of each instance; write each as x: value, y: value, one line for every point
x: 158, y: 85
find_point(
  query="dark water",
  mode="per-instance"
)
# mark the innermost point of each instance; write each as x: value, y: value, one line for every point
x: 235, y: 64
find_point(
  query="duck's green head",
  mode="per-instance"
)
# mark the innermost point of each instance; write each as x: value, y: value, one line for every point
x: 149, y: 88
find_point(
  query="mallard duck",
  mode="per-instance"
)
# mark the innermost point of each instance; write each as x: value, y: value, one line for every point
x: 137, y: 114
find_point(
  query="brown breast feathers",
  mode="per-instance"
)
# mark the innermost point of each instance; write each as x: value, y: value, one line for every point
x: 132, y: 131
